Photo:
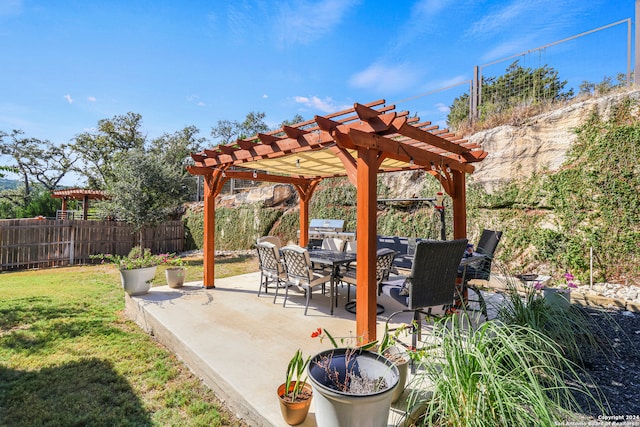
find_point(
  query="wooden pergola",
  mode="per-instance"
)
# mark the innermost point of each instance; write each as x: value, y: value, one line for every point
x: 357, y: 143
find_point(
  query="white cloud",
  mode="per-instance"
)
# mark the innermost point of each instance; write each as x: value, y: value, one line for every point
x: 265, y: 96
x: 508, y: 48
x: 326, y: 105
x: 307, y: 21
x: 195, y: 99
x: 540, y: 15
x: 91, y: 98
x: 68, y: 98
x: 386, y: 78
x: 442, y: 108
x: 428, y: 7
x: 493, y: 22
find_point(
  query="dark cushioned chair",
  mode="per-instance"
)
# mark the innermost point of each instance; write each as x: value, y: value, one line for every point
x: 432, y: 281
x: 481, y: 270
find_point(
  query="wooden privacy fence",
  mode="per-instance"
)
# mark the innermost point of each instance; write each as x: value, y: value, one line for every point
x: 33, y: 243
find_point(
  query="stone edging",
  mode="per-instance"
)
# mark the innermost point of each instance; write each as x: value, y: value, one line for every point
x: 578, y: 298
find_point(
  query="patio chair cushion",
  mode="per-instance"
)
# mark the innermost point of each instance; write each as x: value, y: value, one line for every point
x: 398, y: 290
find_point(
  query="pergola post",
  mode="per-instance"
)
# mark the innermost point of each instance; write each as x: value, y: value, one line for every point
x: 459, y: 199
x: 304, y: 222
x: 366, y: 228
x: 305, y: 191
x: 209, y: 231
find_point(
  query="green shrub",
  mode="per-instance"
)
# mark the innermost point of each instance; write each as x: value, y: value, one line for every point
x: 194, y: 230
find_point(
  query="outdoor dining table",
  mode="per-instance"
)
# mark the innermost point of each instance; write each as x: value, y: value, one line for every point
x: 333, y: 259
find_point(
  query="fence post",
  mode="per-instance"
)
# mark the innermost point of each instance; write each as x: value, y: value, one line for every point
x: 475, y: 93
x: 72, y: 244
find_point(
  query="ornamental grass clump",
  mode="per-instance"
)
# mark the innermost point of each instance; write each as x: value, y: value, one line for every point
x: 495, y: 375
x: 572, y: 330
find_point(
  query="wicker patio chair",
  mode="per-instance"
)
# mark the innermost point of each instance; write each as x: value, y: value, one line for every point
x: 300, y: 272
x: 271, y: 268
x: 431, y: 283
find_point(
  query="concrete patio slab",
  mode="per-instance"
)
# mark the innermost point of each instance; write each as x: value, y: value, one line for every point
x: 239, y: 344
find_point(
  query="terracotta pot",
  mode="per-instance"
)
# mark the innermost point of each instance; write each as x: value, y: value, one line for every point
x: 175, y: 276
x: 294, y: 413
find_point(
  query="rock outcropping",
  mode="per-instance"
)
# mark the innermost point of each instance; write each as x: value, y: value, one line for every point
x: 539, y: 143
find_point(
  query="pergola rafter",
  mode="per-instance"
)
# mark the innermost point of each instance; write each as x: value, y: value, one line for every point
x: 357, y: 143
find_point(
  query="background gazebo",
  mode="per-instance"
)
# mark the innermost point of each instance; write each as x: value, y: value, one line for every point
x: 80, y: 194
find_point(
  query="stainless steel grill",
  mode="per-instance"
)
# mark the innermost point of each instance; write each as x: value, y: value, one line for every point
x: 322, y: 228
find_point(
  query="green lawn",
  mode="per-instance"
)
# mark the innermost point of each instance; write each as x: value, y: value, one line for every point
x: 68, y: 357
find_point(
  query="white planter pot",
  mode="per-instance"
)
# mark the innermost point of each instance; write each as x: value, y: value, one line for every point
x: 175, y: 276
x: 137, y: 281
x: 557, y: 298
x: 334, y: 407
x: 400, y: 358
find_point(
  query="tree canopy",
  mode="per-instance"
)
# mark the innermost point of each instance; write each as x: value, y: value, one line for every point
x: 98, y: 150
x: 146, y: 190
x: 227, y: 131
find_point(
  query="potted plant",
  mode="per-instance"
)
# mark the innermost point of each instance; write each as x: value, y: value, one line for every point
x: 137, y: 269
x: 559, y: 296
x: 176, y: 272
x: 295, y: 395
x: 353, y: 386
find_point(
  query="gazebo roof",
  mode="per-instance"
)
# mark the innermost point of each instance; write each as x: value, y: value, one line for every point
x: 79, y: 194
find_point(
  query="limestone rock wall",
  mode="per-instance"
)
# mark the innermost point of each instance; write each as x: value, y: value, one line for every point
x: 539, y: 143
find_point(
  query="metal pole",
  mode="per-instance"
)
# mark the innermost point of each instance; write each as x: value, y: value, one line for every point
x: 591, y: 267
x: 475, y: 93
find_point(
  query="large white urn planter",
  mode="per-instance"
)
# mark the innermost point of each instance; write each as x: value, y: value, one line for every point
x: 334, y: 407
x: 138, y: 280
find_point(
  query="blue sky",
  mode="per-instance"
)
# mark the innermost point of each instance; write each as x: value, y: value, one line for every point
x: 67, y: 64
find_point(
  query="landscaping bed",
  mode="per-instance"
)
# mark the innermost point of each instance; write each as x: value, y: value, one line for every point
x: 617, y: 372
